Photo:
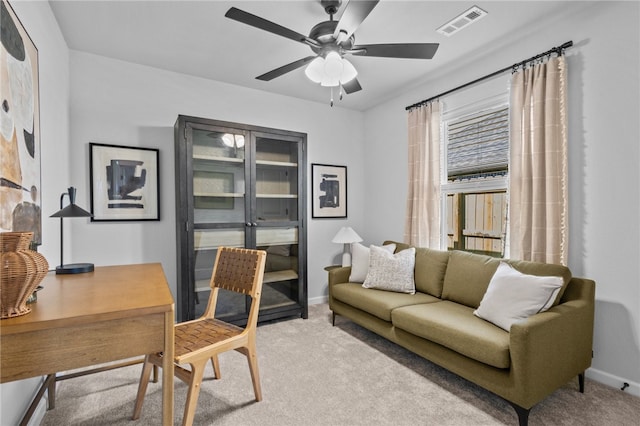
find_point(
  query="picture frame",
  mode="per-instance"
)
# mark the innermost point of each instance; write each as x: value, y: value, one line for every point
x: 20, y: 150
x: 328, y: 191
x: 124, y: 183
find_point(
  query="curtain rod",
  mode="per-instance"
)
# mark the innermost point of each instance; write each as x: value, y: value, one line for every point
x: 558, y: 50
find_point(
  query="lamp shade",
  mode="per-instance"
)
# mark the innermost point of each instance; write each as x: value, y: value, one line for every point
x: 72, y: 210
x: 348, y: 72
x: 346, y: 235
x: 315, y: 70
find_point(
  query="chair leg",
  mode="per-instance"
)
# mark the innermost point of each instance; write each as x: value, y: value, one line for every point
x: 252, y: 358
x: 581, y: 382
x: 197, y: 372
x: 216, y: 366
x: 142, y: 387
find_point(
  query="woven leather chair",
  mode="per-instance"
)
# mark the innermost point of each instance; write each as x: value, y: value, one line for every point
x: 201, y: 340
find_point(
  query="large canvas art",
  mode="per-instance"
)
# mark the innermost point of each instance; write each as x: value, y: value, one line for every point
x: 20, y: 201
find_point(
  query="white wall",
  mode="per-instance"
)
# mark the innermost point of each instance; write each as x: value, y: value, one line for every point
x: 121, y: 103
x: 603, y: 73
x: 53, y: 57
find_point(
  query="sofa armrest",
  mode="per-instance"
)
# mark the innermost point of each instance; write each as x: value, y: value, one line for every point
x: 550, y: 348
x: 339, y: 274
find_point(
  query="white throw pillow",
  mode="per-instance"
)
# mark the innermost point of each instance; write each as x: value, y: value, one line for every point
x: 360, y: 261
x: 513, y: 296
x: 391, y: 272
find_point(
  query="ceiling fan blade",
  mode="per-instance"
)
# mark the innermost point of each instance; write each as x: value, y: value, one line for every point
x: 398, y: 50
x: 285, y: 69
x: 354, y: 13
x: 263, y: 24
x: 352, y: 86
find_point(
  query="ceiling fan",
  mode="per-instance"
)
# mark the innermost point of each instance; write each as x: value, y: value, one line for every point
x: 331, y: 41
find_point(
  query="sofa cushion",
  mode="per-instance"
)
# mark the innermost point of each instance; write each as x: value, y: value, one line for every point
x: 360, y: 261
x: 454, y: 326
x: 431, y: 265
x: 513, y: 296
x: 467, y: 277
x: 391, y: 272
x: 377, y: 302
x: 430, y: 268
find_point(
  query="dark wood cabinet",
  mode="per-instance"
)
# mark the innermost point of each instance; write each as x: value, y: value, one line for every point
x: 239, y: 185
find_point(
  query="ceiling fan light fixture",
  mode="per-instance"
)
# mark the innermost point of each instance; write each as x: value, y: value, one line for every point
x: 333, y: 65
x: 349, y: 72
x: 315, y: 70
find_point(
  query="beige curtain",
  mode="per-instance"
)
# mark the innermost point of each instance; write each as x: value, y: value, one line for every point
x: 422, y: 225
x: 538, y: 164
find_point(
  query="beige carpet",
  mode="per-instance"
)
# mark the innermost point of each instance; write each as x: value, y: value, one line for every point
x: 316, y: 374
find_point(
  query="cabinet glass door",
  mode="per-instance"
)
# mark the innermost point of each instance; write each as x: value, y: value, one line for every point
x: 276, y: 218
x: 219, y: 211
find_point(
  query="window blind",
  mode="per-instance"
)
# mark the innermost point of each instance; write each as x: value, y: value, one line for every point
x: 478, y: 144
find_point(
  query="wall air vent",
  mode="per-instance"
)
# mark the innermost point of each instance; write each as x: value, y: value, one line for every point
x: 461, y: 21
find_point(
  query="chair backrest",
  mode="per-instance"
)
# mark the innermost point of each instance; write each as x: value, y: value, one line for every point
x: 240, y: 270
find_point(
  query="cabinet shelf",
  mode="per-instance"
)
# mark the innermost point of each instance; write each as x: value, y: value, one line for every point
x: 277, y: 195
x: 218, y: 159
x: 219, y: 194
x: 275, y: 163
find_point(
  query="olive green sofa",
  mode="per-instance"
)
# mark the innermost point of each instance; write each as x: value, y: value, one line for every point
x: 523, y: 365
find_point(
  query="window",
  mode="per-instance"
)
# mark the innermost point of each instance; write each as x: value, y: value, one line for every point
x: 474, y: 179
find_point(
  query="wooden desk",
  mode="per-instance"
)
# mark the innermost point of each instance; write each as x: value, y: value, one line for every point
x: 113, y: 313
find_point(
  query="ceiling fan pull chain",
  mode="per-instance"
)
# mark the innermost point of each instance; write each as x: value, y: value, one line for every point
x: 340, y: 90
x: 331, y: 96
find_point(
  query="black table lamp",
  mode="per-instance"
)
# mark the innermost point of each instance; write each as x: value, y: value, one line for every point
x: 71, y: 211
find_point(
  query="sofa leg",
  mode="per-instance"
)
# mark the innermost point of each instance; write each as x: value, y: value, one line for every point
x: 523, y: 414
x: 333, y: 318
x: 581, y: 382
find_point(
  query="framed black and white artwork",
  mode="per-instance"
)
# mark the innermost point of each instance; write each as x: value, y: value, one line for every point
x: 328, y: 191
x: 124, y: 183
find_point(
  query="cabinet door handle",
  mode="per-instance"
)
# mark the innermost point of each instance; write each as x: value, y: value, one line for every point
x: 248, y: 224
x: 254, y: 224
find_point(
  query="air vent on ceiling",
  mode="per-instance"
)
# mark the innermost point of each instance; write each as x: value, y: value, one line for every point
x: 461, y: 21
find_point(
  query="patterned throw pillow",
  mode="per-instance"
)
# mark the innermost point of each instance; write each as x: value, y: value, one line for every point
x: 360, y: 261
x: 391, y: 272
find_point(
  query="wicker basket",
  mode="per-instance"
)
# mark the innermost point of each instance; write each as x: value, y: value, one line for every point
x: 21, y: 270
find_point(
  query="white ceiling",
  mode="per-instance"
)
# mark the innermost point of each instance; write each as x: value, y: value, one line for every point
x: 194, y: 37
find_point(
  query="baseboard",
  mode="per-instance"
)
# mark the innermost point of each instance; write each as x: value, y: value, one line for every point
x: 613, y: 381
x: 318, y: 300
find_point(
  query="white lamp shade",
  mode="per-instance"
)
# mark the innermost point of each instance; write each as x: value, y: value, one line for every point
x: 315, y: 70
x: 346, y: 235
x: 348, y: 72
x: 333, y: 65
